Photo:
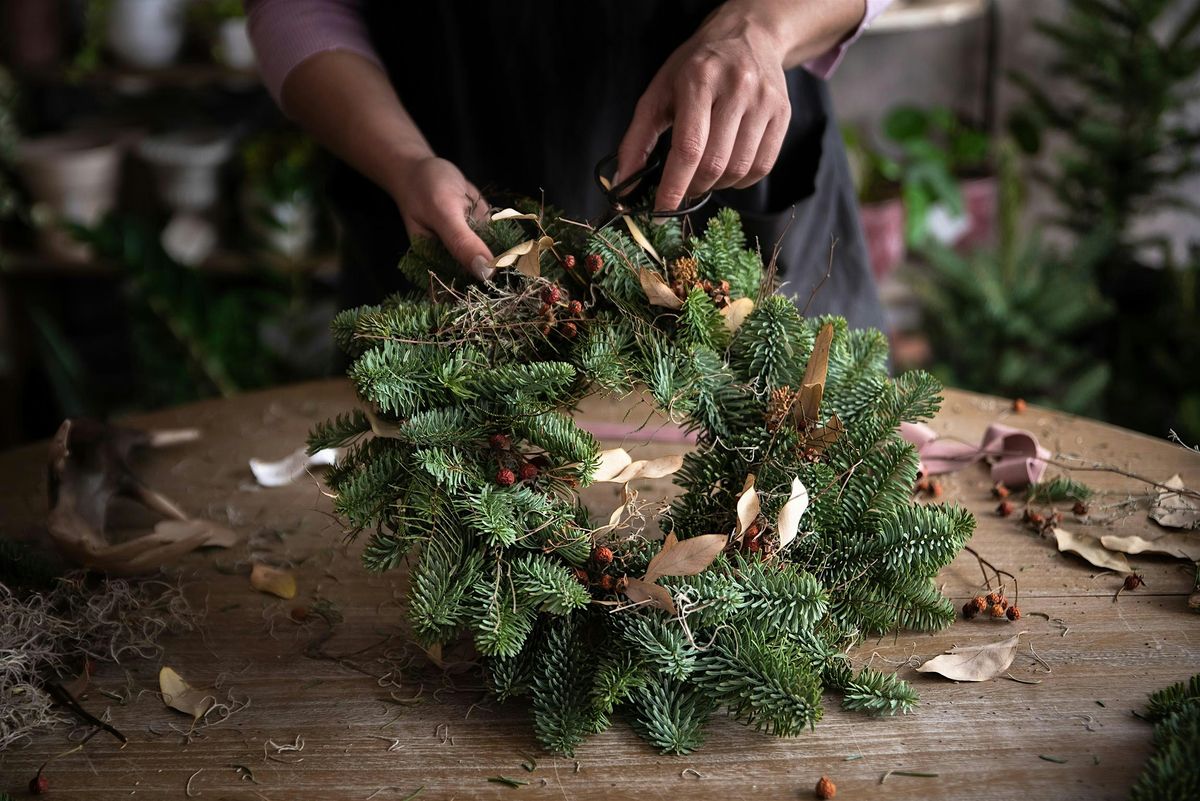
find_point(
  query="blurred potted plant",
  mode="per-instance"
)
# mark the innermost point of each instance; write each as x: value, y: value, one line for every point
x: 1013, y: 319
x: 279, y: 195
x: 877, y: 183
x: 948, y: 191
x: 146, y: 34
x: 223, y: 23
x: 1128, y: 134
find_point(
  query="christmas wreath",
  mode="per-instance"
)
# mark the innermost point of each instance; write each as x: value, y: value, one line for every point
x: 796, y: 533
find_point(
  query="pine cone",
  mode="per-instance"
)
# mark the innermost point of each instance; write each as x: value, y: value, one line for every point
x: 778, y: 407
x: 684, y: 273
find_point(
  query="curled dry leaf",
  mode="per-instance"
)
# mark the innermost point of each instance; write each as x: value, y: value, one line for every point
x: 649, y: 468
x: 286, y: 470
x: 179, y: 695
x: 651, y: 594
x: 788, y: 522
x: 1091, y: 549
x: 685, y: 557
x: 530, y: 264
x: 1174, y: 510
x: 509, y: 257
x: 976, y: 662
x: 1181, y: 546
x: 628, y: 498
x: 736, y: 313
x: 265, y: 578
x: 636, y: 232
x: 748, y: 505
x: 512, y: 214
x: 657, y: 291
x: 611, y: 463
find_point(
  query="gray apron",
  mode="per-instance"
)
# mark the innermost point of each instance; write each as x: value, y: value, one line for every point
x: 525, y: 96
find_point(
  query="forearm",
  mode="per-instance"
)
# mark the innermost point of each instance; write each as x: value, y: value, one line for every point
x: 348, y: 105
x: 798, y: 31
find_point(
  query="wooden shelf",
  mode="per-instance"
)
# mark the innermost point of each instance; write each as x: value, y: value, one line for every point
x: 914, y: 15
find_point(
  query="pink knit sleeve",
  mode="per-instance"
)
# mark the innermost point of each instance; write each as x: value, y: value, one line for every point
x: 287, y: 32
x: 823, y: 66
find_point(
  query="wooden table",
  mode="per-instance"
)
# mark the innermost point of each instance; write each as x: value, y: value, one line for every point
x: 983, y: 740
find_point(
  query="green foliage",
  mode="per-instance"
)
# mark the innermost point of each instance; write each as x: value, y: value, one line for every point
x: 475, y: 467
x: 1059, y: 488
x: 1173, y: 771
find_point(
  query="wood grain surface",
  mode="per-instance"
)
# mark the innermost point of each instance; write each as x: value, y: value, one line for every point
x: 371, y: 724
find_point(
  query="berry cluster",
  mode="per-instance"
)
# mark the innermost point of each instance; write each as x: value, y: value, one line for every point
x: 994, y: 603
x: 592, y: 262
x: 513, y: 465
x: 555, y: 303
x: 928, y: 488
x: 597, y: 574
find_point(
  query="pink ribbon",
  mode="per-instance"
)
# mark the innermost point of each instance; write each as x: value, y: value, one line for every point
x: 1015, y: 455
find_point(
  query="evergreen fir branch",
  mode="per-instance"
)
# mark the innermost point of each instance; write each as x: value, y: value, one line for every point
x: 780, y: 599
x: 879, y: 694
x: 501, y: 621
x: 671, y: 715
x: 713, y: 596
x: 602, y: 354
x: 922, y: 539
x: 721, y: 405
x: 772, y: 345
x: 451, y: 467
x: 700, y: 323
x: 559, y: 436
x: 445, y: 426
x: 362, y: 495
x: 881, y: 484
x: 387, y: 547
x: 1173, y: 771
x: 522, y: 383
x: 1170, y: 700
x: 721, y: 255
x: 669, y: 377
x: 919, y: 605
x: 338, y: 432
x: 492, y: 511
x: 661, y: 645
x: 446, y: 571
x: 918, y: 396
x: 544, y: 583
x: 1057, y: 489
x: 561, y: 686
x: 428, y: 255
x: 618, y: 676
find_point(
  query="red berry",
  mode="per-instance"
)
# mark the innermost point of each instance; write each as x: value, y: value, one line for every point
x: 528, y: 472
x: 546, y: 310
x: 826, y: 789
x: 575, y: 307
x: 999, y: 490
x: 602, y: 556
x: 607, y: 583
x: 570, y: 330
x: 1080, y: 508
x: 1133, y: 581
x: 505, y: 477
x: 500, y: 442
x: 935, y: 488
x: 594, y: 263
x: 969, y: 611
x: 993, y: 598
x: 1019, y: 405
x: 569, y: 261
x: 39, y: 784
x: 299, y: 614
x: 997, y: 611
x: 551, y: 294
x: 1005, y: 508
x: 979, y: 603
x: 1013, y: 613
x: 580, y: 575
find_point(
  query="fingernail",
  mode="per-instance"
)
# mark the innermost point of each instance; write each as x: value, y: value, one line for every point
x: 481, y: 268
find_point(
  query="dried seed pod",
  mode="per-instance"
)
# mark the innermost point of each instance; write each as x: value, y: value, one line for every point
x: 602, y: 556
x: 500, y: 442
x: 569, y: 261
x: 999, y: 490
x: 1133, y: 581
x: 997, y: 611
x: 1013, y: 613
x: 1019, y: 405
x: 1080, y: 508
x: 580, y: 575
x: 993, y: 598
x: 594, y: 263
x: 969, y: 611
x: 570, y: 330
x: 825, y: 788
x: 39, y: 785
x: 528, y: 472
x: 607, y: 583
x: 505, y: 477
x: 551, y: 294
x: 575, y: 308
x: 1005, y: 509
x: 979, y: 602
x: 684, y: 271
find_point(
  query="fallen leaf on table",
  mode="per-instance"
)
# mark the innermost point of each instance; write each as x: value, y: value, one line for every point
x: 657, y: 291
x: 788, y: 522
x: 215, y: 535
x: 976, y: 662
x: 1173, y: 510
x: 1091, y: 549
x: 652, y: 468
x: 652, y: 594
x: 685, y: 557
x: 512, y: 214
x: 286, y: 470
x: 748, y: 505
x: 611, y: 463
x: 1181, y: 546
x: 265, y: 578
x: 736, y: 313
x: 181, y: 696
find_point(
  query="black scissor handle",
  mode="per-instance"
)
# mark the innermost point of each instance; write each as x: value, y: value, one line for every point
x: 616, y: 193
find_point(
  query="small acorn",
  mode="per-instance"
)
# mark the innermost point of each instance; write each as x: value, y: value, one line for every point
x: 529, y: 472
x: 1013, y: 613
x: 602, y: 556
x: 505, y: 477
x: 825, y: 788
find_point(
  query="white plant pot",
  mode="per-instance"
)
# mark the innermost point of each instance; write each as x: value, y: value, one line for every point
x: 187, y: 166
x: 286, y: 227
x: 147, y: 34
x: 233, y: 48
x: 74, y: 177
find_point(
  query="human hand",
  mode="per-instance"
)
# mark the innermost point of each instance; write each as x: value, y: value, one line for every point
x: 724, y: 96
x: 436, y: 199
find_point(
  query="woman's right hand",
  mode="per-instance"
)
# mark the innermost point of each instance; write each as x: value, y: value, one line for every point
x: 436, y: 199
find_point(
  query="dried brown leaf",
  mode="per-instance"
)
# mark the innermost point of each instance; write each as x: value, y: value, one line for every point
x: 1174, y: 510
x: 1181, y: 546
x: 530, y: 264
x: 512, y: 214
x: 181, y: 696
x: 788, y: 522
x: 636, y: 232
x: 818, y: 361
x: 612, y: 462
x: 657, y: 291
x: 265, y: 578
x: 651, y: 594
x: 215, y: 535
x: 822, y: 437
x: 736, y: 313
x: 685, y: 557
x: 976, y: 662
x: 1091, y: 549
x: 649, y: 468
x: 748, y: 505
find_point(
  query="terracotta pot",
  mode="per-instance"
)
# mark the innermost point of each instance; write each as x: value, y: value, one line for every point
x: 981, y: 198
x: 883, y: 225
x: 74, y: 176
x: 147, y: 34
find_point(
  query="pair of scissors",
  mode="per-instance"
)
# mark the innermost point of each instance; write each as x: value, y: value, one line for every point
x: 622, y: 199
